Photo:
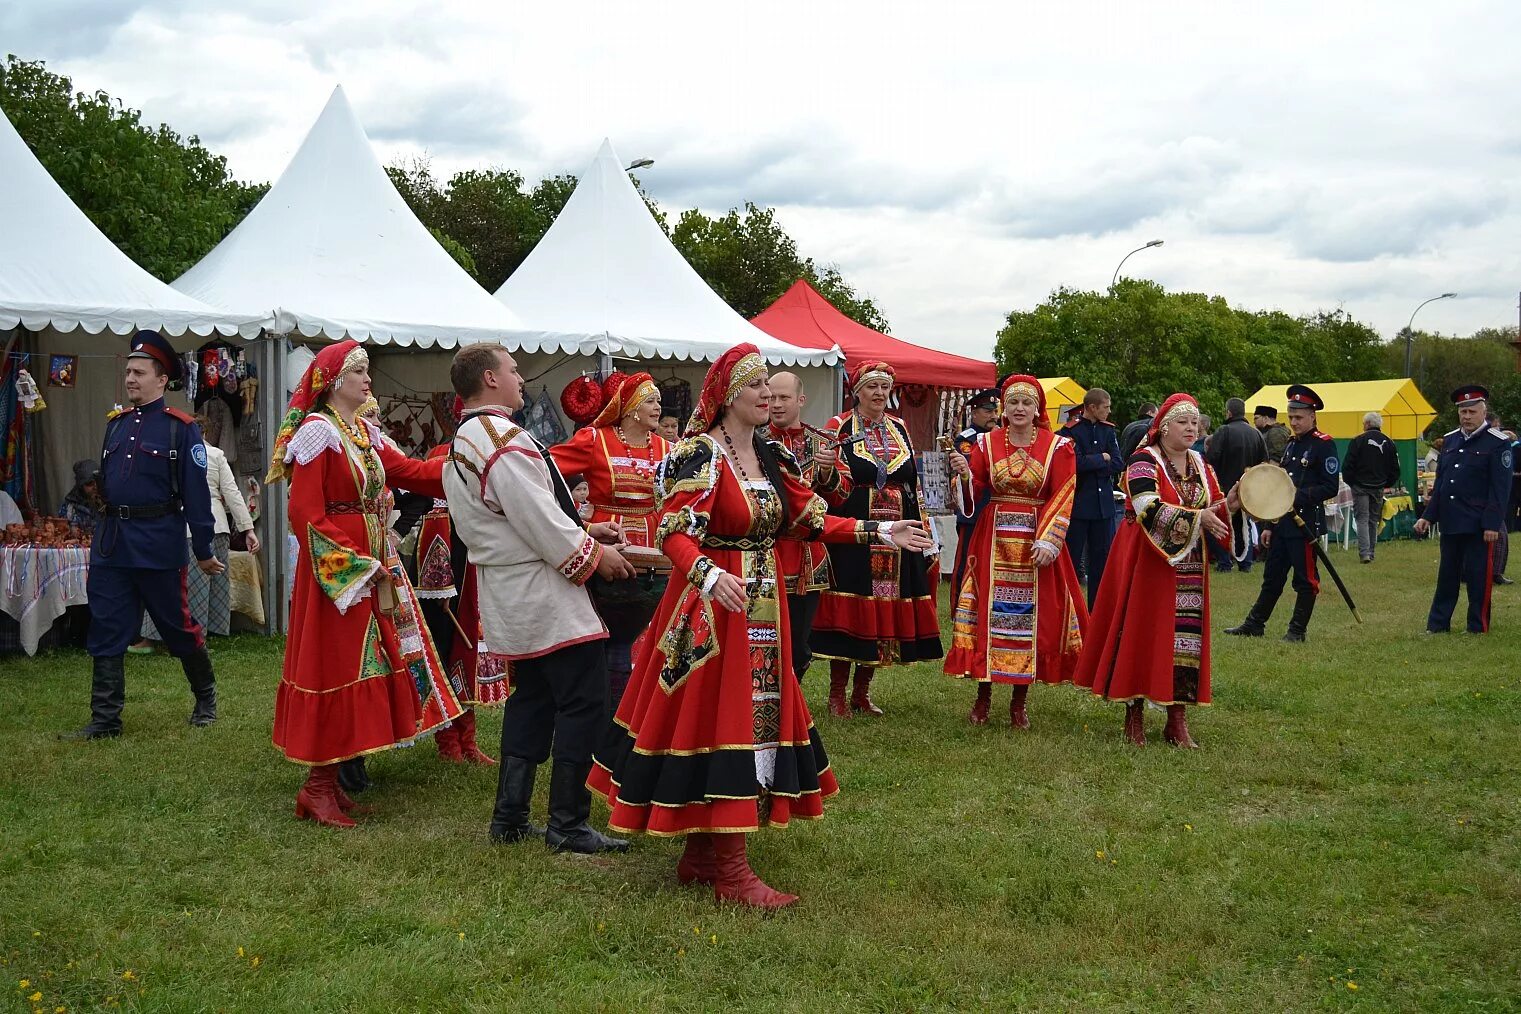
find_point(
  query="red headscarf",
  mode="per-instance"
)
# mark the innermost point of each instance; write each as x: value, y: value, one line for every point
x: 868, y: 370
x: 734, y: 369
x: 1175, y: 405
x: 328, y: 365
x: 624, y: 394
x: 1024, y: 380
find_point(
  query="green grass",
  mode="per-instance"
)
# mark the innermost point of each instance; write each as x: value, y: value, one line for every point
x: 1351, y: 818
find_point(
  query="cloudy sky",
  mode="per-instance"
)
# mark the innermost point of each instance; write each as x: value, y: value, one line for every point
x: 956, y: 160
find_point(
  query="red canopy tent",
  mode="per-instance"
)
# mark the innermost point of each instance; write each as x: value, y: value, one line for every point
x: 803, y: 317
x: 932, y: 386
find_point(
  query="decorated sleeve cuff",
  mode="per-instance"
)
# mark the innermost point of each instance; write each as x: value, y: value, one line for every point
x: 580, y: 565
x: 714, y: 573
x: 343, y: 574
x: 703, y: 573
x: 885, y: 532
x: 1053, y: 547
x: 866, y: 532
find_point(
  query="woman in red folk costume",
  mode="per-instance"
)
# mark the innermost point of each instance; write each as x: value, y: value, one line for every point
x: 880, y: 607
x: 446, y: 586
x: 1149, y: 637
x: 713, y: 739
x: 361, y: 674
x: 617, y: 455
x: 1019, y: 613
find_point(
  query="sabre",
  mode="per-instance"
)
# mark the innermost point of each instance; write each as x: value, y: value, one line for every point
x: 835, y: 440
x: 963, y: 483
x: 1320, y: 554
x: 1267, y: 493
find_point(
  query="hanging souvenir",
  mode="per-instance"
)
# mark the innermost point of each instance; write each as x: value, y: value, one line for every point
x: 541, y: 419
x: 27, y: 392
x: 192, y: 378
x: 582, y: 399
x: 675, y: 397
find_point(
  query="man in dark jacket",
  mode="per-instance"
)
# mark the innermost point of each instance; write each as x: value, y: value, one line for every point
x: 1233, y: 448
x: 1274, y: 433
x: 1372, y: 465
x: 1093, y: 506
x: 1130, y: 439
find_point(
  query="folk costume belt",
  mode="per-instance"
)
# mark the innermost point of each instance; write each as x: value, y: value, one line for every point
x: 143, y: 511
x: 345, y: 507
x: 743, y: 542
x: 627, y: 510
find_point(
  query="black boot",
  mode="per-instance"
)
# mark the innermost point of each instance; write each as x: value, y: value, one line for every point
x: 1255, y: 623
x: 203, y: 683
x: 514, y: 791
x: 352, y: 775
x: 1304, y: 605
x: 108, y: 692
x: 569, y: 807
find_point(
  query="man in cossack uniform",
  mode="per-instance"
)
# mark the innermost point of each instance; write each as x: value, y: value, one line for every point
x: 1094, y: 509
x: 804, y: 565
x: 153, y: 482
x: 983, y: 412
x: 1468, y: 500
x: 1311, y: 461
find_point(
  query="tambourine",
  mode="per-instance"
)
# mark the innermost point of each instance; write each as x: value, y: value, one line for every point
x: 1266, y: 492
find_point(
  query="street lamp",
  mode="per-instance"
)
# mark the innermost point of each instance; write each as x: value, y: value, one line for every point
x: 639, y: 163
x: 1148, y: 246
x: 1410, y: 327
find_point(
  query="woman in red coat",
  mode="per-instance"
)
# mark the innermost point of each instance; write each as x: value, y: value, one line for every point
x: 1019, y: 613
x: 617, y: 456
x: 361, y: 674
x: 1149, y: 637
x: 713, y: 739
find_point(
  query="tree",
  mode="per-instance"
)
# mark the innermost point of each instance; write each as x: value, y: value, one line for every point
x: 1442, y: 364
x: 1142, y: 343
x: 163, y: 199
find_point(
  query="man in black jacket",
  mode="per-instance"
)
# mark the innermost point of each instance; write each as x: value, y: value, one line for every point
x: 1372, y: 465
x: 1130, y: 437
x: 1233, y: 448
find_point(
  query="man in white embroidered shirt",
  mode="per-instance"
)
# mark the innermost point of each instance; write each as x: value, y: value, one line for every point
x: 533, y: 555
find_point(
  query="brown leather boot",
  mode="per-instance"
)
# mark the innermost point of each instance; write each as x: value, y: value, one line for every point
x: 318, y: 800
x: 860, y: 700
x: 979, y: 712
x: 1176, y: 732
x: 839, y: 679
x: 698, y: 863
x: 736, y: 881
x: 1135, y: 722
x: 464, y: 741
x: 1018, y: 717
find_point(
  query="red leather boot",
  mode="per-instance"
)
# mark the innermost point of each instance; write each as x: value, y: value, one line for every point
x: 1135, y: 722
x: 1018, y: 717
x: 464, y: 739
x: 447, y: 740
x: 347, y: 804
x: 839, y: 679
x: 698, y: 864
x: 860, y: 700
x: 318, y: 800
x: 736, y: 881
x: 1176, y: 732
x: 979, y: 712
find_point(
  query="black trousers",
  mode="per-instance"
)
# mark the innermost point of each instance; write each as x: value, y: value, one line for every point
x: 801, y: 609
x: 1466, y: 560
x: 1285, y: 555
x: 1094, y: 535
x: 559, y: 699
x: 118, y: 596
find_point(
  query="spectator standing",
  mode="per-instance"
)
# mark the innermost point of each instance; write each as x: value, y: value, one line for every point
x: 1091, y: 529
x: 1130, y: 438
x: 1372, y: 465
x: 1235, y: 447
x: 1274, y: 433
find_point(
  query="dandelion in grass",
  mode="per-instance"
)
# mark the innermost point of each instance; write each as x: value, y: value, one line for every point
x: 240, y: 952
x: 255, y: 962
x: 1099, y: 853
x: 462, y: 934
x: 36, y: 997
x: 23, y: 984
x: 713, y: 939
x: 1352, y: 986
x: 129, y: 975
x: 1188, y: 827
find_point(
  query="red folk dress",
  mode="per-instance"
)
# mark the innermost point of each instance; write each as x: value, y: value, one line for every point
x: 620, y: 479
x: 880, y: 606
x: 1015, y: 622
x: 357, y: 678
x: 1149, y: 636
x: 713, y: 733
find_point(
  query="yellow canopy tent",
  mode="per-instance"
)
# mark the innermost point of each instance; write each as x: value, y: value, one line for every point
x: 1406, y: 413
x: 1061, y: 394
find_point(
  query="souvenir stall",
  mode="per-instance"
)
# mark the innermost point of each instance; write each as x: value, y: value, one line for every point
x: 70, y: 302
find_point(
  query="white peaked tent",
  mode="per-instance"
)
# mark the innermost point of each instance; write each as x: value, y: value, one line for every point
x: 333, y: 251
x: 606, y: 269
x: 59, y: 272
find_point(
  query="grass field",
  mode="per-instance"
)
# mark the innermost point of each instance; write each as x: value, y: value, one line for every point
x: 1346, y: 838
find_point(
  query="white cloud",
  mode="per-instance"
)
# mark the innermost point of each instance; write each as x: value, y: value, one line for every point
x: 956, y: 161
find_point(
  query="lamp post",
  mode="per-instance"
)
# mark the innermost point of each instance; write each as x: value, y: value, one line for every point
x: 1410, y: 327
x: 639, y: 163
x: 1148, y: 246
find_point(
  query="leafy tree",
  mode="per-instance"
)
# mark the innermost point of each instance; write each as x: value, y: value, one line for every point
x: 163, y: 199
x: 1442, y: 364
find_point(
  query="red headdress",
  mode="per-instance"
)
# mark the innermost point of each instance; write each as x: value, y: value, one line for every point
x: 1175, y: 405
x: 325, y: 369
x: 734, y: 369
x: 1023, y: 383
x: 624, y: 394
x: 868, y: 370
